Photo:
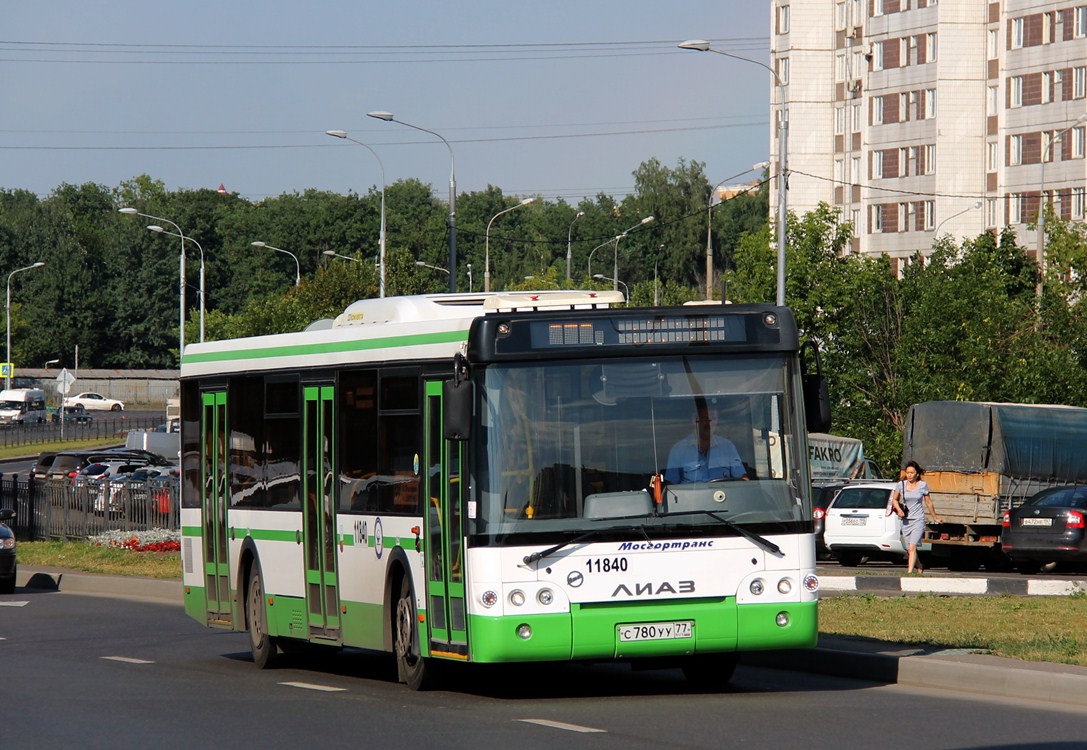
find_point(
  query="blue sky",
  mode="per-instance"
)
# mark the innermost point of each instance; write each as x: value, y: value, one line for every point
x: 558, y: 99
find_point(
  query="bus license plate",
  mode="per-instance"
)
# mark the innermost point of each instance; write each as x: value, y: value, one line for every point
x: 656, y: 631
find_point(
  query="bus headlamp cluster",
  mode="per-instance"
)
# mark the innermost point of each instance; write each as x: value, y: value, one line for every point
x: 545, y: 597
x: 811, y: 582
x: 784, y: 585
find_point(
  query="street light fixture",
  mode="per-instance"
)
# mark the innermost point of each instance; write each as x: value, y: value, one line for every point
x: 381, y: 234
x: 972, y: 207
x: 615, y: 260
x: 487, y: 243
x: 388, y: 117
x: 181, y: 283
x: 7, y: 352
x: 297, y: 265
x: 701, y: 45
x: 1041, y: 208
x: 602, y: 277
x: 469, y: 265
x: 421, y: 264
x: 709, y: 224
x: 569, y: 244
x: 605, y: 243
x: 159, y: 230
x: 334, y: 254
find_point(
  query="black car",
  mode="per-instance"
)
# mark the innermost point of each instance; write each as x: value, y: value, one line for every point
x: 76, y: 413
x: 7, y: 552
x: 1050, y: 527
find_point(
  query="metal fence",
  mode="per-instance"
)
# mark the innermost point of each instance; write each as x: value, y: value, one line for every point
x: 56, y: 509
x: 99, y: 428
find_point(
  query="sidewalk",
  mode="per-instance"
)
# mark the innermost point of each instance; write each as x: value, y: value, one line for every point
x: 857, y: 658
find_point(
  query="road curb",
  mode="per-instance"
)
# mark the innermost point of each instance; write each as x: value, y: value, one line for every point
x: 954, y: 586
x: 167, y: 591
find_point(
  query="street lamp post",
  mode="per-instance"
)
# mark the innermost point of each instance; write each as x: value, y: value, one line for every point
x: 159, y: 230
x: 487, y: 243
x: 709, y: 224
x: 381, y: 234
x: 615, y: 259
x: 7, y: 351
x: 975, y: 205
x: 569, y: 244
x: 388, y: 117
x: 421, y: 264
x: 702, y: 45
x: 181, y: 283
x: 616, y: 282
x: 334, y: 254
x: 469, y: 278
x: 602, y: 244
x: 297, y: 265
x: 1041, y: 209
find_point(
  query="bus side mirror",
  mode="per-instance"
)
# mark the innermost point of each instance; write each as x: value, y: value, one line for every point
x: 457, y: 400
x: 817, y: 403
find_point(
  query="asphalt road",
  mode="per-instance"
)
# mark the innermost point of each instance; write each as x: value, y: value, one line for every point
x: 91, y: 672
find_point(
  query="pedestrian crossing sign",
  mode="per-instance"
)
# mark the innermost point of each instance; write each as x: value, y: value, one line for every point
x: 7, y: 369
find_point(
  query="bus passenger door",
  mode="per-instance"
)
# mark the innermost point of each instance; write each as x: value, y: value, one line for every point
x: 444, y: 551
x: 319, y: 513
x: 216, y: 499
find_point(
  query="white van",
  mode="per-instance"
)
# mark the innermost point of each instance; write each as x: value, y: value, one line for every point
x: 22, y: 406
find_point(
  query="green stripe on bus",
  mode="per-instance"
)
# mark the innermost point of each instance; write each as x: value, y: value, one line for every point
x: 334, y: 347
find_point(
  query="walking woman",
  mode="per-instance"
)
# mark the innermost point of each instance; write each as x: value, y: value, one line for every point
x: 909, y: 500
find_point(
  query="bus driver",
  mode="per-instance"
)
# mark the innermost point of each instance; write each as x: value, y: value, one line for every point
x: 703, y: 456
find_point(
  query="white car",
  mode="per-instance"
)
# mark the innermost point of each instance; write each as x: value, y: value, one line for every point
x: 860, y: 524
x: 94, y: 401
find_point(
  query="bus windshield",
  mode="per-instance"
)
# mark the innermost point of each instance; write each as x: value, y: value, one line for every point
x: 577, y: 445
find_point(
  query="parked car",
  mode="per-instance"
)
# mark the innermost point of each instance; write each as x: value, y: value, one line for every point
x: 164, y: 490
x: 7, y: 552
x: 860, y: 525
x: 76, y: 413
x: 95, y: 480
x: 1050, y: 527
x: 68, y: 463
x: 94, y: 402
x: 41, y: 468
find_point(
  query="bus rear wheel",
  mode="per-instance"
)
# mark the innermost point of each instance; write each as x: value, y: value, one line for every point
x: 263, y: 646
x: 411, y: 667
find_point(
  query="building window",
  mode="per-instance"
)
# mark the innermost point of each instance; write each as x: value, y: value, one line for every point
x: 877, y: 7
x: 840, y: 19
x: 904, y: 106
x: 930, y: 214
x: 1079, y: 82
x: 1079, y: 23
x: 990, y: 212
x: 1047, y: 87
x: 992, y: 100
x: 1015, y: 209
x: 992, y: 156
x: 877, y: 56
x: 994, y: 44
x: 1047, y: 28
x: 903, y: 162
x: 1077, y: 143
x: 859, y: 64
x: 905, y: 48
x: 930, y: 103
x: 839, y: 171
x: 877, y: 218
x: 1015, y: 85
x: 877, y: 165
x: 839, y: 120
x: 1047, y: 145
x: 930, y: 158
x: 856, y: 111
x: 877, y: 110
x: 930, y: 47
x: 855, y: 170
x: 1017, y: 33
x: 1077, y: 202
x: 905, y: 211
x: 783, y: 19
x: 1015, y: 150
x: 841, y: 68
x: 855, y: 217
x: 783, y: 70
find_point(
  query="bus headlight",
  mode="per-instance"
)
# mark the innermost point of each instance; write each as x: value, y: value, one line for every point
x: 782, y: 619
x: 785, y: 585
x: 517, y: 597
x: 545, y: 596
x: 757, y: 587
x: 489, y: 598
x: 524, y: 631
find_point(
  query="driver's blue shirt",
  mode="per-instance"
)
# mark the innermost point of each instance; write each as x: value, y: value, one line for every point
x: 687, y: 464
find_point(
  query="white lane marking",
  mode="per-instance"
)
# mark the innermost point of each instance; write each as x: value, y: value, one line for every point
x: 128, y: 660
x: 14, y: 604
x: 561, y: 725
x: 312, y: 686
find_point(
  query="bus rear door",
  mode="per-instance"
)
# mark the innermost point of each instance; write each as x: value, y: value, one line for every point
x: 319, y: 517
x: 215, y: 502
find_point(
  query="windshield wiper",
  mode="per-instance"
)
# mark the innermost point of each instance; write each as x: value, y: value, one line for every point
x: 752, y: 537
x: 529, y: 559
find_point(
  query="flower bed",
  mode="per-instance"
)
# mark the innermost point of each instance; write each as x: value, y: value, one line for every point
x: 152, y: 540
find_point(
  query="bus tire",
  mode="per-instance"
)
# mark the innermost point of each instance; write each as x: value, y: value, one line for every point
x: 710, y: 672
x: 411, y: 667
x: 263, y: 646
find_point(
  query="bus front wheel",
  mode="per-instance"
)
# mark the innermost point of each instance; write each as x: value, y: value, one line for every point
x: 263, y: 646
x: 411, y: 667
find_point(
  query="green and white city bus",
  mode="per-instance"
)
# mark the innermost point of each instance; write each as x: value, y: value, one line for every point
x: 484, y: 478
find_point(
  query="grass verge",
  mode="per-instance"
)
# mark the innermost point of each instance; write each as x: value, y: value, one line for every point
x: 33, y: 449
x: 1032, y: 628
x: 90, y: 558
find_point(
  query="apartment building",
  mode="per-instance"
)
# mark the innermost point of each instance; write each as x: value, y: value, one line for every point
x: 925, y: 118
